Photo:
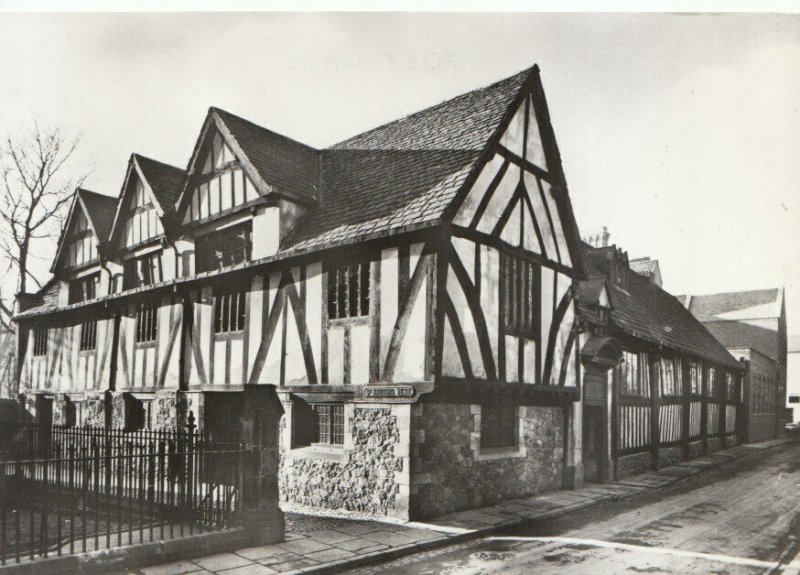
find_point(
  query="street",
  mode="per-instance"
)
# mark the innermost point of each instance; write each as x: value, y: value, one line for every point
x: 739, y: 518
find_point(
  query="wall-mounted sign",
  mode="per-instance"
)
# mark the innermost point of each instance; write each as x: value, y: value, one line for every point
x: 387, y: 391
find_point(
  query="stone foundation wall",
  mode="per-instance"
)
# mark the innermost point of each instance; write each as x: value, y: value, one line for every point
x: 449, y: 473
x: 695, y: 448
x: 361, y: 476
x: 634, y: 464
x: 669, y: 456
x: 94, y: 410
x: 714, y: 444
x: 731, y: 441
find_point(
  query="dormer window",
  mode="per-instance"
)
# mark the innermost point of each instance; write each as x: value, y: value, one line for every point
x: 85, y: 288
x: 142, y: 271
x: 221, y: 184
x: 226, y: 247
x: 82, y: 247
x: 142, y: 223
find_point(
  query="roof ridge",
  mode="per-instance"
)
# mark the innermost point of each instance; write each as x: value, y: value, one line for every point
x: 776, y: 289
x: 149, y: 159
x: 253, y: 124
x: 527, y: 72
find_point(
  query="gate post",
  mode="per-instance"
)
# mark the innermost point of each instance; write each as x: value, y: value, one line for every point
x: 260, y: 512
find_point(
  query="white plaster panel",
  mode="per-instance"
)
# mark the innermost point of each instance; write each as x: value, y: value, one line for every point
x: 502, y: 195
x: 535, y: 150
x: 295, y: 365
x: 359, y: 354
x: 511, y: 231
x: 411, y: 358
x: 561, y: 344
x: 465, y: 249
x: 467, y: 325
x: 529, y: 365
x: 255, y: 313
x: 389, y: 296
x: 314, y: 303
x: 530, y: 239
x: 219, y: 362
x: 490, y: 294
x: 237, y: 357
x: 512, y: 358
x: 266, y: 232
x: 336, y: 355
x: 513, y: 137
x: 467, y: 210
x: 548, y: 278
x: 451, y: 360
x: 540, y: 213
x: 557, y: 227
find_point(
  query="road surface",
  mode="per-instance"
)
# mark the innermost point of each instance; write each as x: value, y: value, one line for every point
x: 739, y: 518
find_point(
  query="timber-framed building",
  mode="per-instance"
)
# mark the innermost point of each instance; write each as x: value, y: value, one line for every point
x: 409, y: 293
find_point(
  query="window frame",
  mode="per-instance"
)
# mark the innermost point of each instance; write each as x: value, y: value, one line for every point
x: 677, y: 375
x: 88, y: 336
x: 308, y: 420
x: 520, y: 312
x: 206, y: 244
x: 341, y: 291
x: 77, y: 290
x: 223, y: 298
x: 146, y: 324
x: 640, y: 387
x: 499, y: 426
x: 132, y: 268
x: 40, y: 337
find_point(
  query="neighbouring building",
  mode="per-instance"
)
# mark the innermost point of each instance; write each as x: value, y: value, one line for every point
x: 658, y: 388
x: 793, y: 380
x: 647, y: 268
x: 752, y: 325
x: 408, y: 292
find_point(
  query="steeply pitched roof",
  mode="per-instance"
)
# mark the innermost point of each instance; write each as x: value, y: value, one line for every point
x: 647, y: 312
x: 407, y: 172
x: 163, y: 179
x: 286, y: 164
x: 742, y: 305
x: 100, y: 211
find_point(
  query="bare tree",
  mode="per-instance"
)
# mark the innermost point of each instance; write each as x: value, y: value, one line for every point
x: 37, y: 187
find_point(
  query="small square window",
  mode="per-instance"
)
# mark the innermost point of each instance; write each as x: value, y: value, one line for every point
x: 320, y: 423
x: 794, y: 399
x: 40, y: 341
x: 498, y: 425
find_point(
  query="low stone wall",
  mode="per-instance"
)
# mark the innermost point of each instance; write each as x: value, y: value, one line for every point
x: 669, y: 456
x: 449, y: 473
x: 634, y: 464
x: 731, y: 441
x: 360, y: 476
x: 714, y: 444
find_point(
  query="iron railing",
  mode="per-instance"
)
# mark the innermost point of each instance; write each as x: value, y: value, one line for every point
x: 75, y: 490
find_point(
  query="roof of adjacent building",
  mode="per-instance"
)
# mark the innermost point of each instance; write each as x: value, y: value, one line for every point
x: 644, y: 266
x: 646, y: 311
x: 163, y: 179
x: 737, y: 318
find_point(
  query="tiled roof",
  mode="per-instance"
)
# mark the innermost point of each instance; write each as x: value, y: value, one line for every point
x: 462, y: 123
x: 163, y: 179
x: 286, y: 164
x: 755, y: 304
x: 645, y: 311
x: 407, y: 172
x: 101, y: 210
x: 735, y: 334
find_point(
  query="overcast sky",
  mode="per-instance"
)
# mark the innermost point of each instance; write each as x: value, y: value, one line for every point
x: 680, y: 133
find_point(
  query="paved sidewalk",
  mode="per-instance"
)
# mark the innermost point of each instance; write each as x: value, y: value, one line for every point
x: 328, y: 544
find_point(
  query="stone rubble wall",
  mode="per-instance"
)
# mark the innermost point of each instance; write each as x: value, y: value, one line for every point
x: 446, y: 477
x: 361, y: 480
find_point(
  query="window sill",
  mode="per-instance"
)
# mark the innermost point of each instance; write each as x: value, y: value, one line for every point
x: 320, y: 452
x: 495, y: 453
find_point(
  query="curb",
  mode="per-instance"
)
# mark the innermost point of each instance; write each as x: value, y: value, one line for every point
x: 411, y: 548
